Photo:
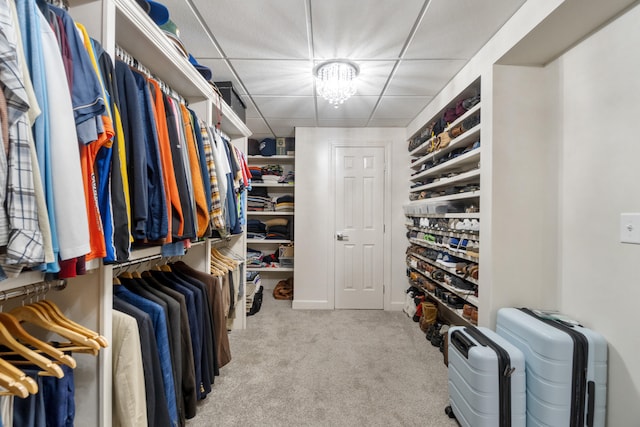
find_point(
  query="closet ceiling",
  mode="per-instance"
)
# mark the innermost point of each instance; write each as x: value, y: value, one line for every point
x: 407, y: 50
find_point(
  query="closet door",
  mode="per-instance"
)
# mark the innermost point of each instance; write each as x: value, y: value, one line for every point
x: 359, y: 225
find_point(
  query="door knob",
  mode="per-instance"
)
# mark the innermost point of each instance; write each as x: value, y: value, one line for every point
x: 342, y: 237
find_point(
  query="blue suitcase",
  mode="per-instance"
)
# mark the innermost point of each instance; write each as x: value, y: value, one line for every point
x: 486, y: 379
x: 566, y: 367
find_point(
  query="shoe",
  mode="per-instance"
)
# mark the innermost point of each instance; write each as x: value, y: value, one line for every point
x: 473, y: 249
x: 430, y: 238
x: 474, y: 316
x: 431, y: 330
x: 454, y: 243
x: 462, y: 247
x: 448, y: 261
x: 475, y: 225
x: 466, y: 311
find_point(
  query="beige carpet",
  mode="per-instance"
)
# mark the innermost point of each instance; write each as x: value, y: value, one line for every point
x: 328, y: 368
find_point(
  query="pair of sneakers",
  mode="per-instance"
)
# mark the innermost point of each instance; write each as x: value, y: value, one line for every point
x: 447, y: 260
x: 464, y: 225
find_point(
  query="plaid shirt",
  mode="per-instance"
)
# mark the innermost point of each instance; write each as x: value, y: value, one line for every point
x: 215, y: 210
x: 23, y: 237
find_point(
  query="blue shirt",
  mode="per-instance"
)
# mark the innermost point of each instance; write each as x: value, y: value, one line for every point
x: 162, y: 339
x: 29, y: 20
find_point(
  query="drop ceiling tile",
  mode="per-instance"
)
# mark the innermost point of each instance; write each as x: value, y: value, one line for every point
x: 191, y: 30
x: 423, y: 78
x: 257, y: 125
x: 396, y: 107
x: 362, y: 28
x: 343, y: 123
x: 389, y: 123
x: 356, y: 107
x: 288, y: 122
x: 286, y: 107
x: 258, y: 28
x: 459, y: 28
x: 286, y: 128
x: 278, y: 77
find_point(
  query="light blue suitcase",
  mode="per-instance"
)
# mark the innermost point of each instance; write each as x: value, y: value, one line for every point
x: 486, y: 379
x: 566, y: 367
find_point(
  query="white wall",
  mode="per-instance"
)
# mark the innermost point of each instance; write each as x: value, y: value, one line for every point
x: 314, y: 285
x: 600, y: 178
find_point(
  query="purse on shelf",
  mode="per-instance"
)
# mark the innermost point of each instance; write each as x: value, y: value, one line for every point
x: 443, y: 140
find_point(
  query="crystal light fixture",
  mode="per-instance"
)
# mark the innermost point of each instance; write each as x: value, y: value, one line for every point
x: 335, y: 80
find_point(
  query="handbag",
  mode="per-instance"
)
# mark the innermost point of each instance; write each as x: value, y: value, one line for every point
x: 443, y: 140
x: 456, y: 131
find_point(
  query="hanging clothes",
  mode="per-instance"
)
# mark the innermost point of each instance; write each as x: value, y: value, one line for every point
x: 187, y: 226
x: 129, y: 399
x: 155, y: 398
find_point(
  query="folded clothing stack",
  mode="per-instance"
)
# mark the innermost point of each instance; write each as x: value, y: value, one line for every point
x: 254, y: 258
x: 271, y: 173
x: 256, y: 173
x: 285, y: 203
x: 278, y: 229
x: 256, y: 229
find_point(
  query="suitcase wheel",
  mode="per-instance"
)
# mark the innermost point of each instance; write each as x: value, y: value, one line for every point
x: 449, y: 411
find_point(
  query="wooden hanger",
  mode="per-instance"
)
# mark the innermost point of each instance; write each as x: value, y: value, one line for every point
x: 17, y: 331
x: 30, y: 314
x: 48, y: 367
x: 12, y: 387
x: 57, y: 316
x: 17, y: 375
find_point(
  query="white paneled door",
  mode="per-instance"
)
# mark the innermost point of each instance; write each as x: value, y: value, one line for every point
x: 359, y: 227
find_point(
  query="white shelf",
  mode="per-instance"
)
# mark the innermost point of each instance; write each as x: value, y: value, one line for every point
x: 422, y: 149
x: 269, y: 213
x: 470, y: 176
x: 447, y: 198
x: 447, y: 215
x: 444, y: 249
x: 470, y: 235
x: 451, y: 271
x: 270, y: 159
x: 469, y: 137
x: 271, y: 269
x: 275, y: 184
x: 267, y: 241
x: 463, y: 161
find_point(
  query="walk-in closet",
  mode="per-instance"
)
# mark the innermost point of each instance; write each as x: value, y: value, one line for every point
x: 305, y: 212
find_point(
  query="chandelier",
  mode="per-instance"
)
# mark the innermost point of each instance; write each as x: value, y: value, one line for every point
x: 335, y: 80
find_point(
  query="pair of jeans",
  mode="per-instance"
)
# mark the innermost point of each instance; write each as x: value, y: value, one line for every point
x: 52, y: 405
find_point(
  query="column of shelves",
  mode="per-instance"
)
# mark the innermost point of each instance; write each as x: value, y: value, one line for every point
x: 275, y: 190
x: 444, y: 191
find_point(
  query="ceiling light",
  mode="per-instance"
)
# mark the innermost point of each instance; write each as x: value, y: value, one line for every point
x: 335, y: 80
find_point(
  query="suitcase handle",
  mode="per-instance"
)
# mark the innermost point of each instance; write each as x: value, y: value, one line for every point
x: 462, y: 343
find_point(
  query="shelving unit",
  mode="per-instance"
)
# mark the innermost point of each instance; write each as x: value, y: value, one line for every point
x: 445, y: 184
x: 271, y: 275
x: 88, y: 299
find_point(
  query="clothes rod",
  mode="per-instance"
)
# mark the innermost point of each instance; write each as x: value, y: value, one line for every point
x: 142, y: 260
x: 39, y: 288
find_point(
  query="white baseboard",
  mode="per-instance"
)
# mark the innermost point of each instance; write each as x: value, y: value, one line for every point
x: 396, y: 306
x: 311, y: 305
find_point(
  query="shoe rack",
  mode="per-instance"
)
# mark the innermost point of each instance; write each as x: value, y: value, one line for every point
x: 443, y: 215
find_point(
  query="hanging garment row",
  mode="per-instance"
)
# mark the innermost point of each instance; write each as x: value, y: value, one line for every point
x: 170, y: 340
x: 36, y: 375
x: 98, y: 158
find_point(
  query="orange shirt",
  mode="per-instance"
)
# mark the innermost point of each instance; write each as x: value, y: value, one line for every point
x: 202, y: 210
x: 174, y: 208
